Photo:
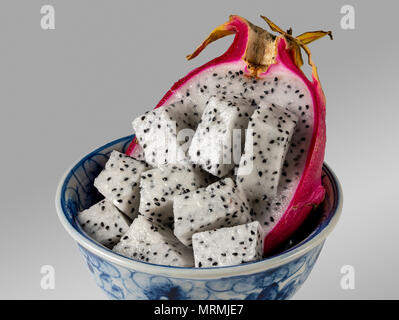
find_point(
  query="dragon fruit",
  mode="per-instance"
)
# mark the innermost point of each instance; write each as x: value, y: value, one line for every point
x: 166, y: 133
x: 262, y: 162
x: 159, y: 186
x: 138, y: 153
x: 228, y: 246
x: 119, y: 182
x: 218, y: 205
x: 104, y: 223
x: 215, y: 134
x: 264, y: 68
x: 153, y: 243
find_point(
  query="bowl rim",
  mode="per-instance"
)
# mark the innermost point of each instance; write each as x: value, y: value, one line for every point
x: 195, y: 273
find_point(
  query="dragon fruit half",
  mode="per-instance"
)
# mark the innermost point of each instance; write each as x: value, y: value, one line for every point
x: 264, y: 69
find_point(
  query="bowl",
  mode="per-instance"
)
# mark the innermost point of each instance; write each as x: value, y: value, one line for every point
x: 276, y: 277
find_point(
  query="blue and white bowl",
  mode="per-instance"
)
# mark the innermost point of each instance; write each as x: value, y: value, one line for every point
x: 277, y: 277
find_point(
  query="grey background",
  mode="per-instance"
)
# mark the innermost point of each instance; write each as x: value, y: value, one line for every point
x: 67, y: 91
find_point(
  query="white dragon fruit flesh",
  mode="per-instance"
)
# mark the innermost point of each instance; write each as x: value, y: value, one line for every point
x: 165, y: 133
x: 159, y: 186
x: 261, y: 165
x: 228, y: 246
x: 218, y: 205
x: 119, y: 182
x: 153, y: 243
x: 104, y: 223
x: 214, y: 146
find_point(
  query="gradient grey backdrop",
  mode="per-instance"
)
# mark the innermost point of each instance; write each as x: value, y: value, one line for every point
x: 67, y: 91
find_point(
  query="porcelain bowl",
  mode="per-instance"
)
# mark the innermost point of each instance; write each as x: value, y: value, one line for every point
x: 276, y: 277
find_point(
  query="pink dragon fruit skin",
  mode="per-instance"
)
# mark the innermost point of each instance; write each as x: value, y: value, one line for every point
x: 280, y: 55
x: 309, y: 192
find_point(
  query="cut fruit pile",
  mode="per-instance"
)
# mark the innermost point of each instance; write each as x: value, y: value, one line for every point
x: 227, y: 166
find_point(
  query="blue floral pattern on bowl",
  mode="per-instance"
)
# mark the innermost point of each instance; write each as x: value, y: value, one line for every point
x: 275, y: 284
x: 123, y: 278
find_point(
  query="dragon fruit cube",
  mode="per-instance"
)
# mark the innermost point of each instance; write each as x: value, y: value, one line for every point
x: 261, y: 165
x: 159, y: 186
x: 228, y: 246
x: 221, y: 204
x: 214, y: 145
x: 104, y: 223
x: 149, y: 242
x: 165, y: 133
x: 119, y: 182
